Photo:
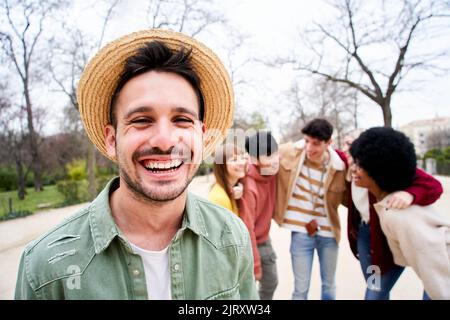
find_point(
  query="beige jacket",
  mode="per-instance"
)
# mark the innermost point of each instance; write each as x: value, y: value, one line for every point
x: 419, y: 237
x: 292, y: 157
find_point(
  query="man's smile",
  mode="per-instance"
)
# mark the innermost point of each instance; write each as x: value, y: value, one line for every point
x: 162, y: 166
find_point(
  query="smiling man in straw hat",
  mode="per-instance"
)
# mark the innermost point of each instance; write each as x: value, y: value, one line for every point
x: 146, y: 101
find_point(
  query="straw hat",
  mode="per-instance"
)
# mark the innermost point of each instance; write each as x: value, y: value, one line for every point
x: 101, y: 76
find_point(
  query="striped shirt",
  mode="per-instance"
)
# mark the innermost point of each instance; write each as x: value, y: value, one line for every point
x: 307, y: 200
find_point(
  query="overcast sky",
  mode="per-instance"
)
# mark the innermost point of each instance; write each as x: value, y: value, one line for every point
x: 272, y: 27
x: 274, y: 24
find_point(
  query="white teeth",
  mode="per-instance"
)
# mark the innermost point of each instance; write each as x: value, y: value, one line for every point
x: 163, y: 165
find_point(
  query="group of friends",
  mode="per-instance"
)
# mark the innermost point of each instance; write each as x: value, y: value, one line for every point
x: 302, y: 190
x: 157, y: 102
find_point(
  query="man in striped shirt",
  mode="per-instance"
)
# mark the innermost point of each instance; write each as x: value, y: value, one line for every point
x: 311, y: 185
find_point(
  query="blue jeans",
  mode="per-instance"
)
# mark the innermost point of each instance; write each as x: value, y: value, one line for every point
x: 302, y: 254
x: 378, y: 285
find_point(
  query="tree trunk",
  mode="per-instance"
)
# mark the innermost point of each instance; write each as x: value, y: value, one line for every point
x: 355, y: 120
x: 387, y: 114
x: 355, y: 110
x: 21, y: 191
x: 338, y: 129
x: 90, y: 166
x: 36, y: 161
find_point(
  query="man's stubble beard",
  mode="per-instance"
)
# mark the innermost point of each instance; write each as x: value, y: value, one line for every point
x: 140, y: 192
x: 153, y: 196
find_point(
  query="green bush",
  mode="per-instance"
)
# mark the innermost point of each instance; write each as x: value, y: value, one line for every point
x: 205, y: 168
x: 443, y: 167
x: 102, y: 181
x: 73, y: 191
x: 51, y: 178
x: 76, y: 170
x: 8, y: 179
x: 15, y: 214
x: 108, y: 171
x: 442, y: 157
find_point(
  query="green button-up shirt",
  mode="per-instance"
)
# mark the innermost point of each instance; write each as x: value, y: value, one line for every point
x: 86, y: 257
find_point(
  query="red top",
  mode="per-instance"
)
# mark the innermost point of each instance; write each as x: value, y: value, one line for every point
x: 256, y: 208
x: 425, y: 189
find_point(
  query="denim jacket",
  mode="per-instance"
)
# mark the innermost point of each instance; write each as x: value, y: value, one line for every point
x: 86, y: 257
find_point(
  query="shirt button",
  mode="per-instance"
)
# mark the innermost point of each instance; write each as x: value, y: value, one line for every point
x: 136, y: 272
x: 176, y: 267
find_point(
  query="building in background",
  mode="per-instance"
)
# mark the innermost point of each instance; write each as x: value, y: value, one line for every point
x: 428, y: 134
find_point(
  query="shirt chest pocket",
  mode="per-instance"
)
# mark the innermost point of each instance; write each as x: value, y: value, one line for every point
x: 229, y: 294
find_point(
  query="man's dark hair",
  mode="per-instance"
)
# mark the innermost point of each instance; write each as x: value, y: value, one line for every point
x: 156, y: 56
x: 388, y: 157
x: 318, y: 128
x: 261, y: 144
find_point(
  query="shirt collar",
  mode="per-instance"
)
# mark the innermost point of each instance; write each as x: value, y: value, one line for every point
x: 104, y: 229
x: 382, y: 204
x: 193, y: 217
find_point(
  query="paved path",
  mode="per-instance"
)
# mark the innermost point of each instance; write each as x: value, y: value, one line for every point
x: 14, y: 234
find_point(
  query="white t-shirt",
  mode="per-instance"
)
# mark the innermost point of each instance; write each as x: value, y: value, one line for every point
x: 157, y: 276
x: 360, y: 197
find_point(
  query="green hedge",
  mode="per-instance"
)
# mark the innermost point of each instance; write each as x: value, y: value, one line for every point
x: 8, y: 179
x: 443, y: 167
x: 442, y: 157
x: 15, y: 214
x: 73, y: 191
x: 77, y: 191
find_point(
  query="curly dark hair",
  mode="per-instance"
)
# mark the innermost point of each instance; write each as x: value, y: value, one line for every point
x: 388, y: 157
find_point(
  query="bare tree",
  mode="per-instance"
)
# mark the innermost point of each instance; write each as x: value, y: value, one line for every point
x: 188, y: 16
x: 322, y: 99
x: 352, y: 107
x: 236, y: 63
x: 74, y: 55
x: 357, y: 47
x: 23, y: 29
x: 254, y: 121
x: 196, y: 16
x: 13, y: 141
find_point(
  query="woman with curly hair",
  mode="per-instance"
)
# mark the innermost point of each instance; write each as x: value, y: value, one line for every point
x: 384, y: 161
x: 366, y: 238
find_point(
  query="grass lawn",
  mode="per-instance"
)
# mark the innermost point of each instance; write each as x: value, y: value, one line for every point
x: 33, y: 199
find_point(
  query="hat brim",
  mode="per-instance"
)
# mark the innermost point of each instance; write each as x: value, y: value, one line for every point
x: 101, y: 76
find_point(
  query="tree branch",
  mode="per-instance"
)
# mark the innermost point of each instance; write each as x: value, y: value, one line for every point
x: 364, y: 90
x: 355, y: 54
x: 105, y: 22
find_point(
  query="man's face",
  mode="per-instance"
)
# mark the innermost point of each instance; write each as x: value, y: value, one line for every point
x: 158, y: 139
x: 315, y: 148
x: 269, y: 165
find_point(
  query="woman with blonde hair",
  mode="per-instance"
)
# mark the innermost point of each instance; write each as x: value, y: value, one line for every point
x: 230, y: 165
